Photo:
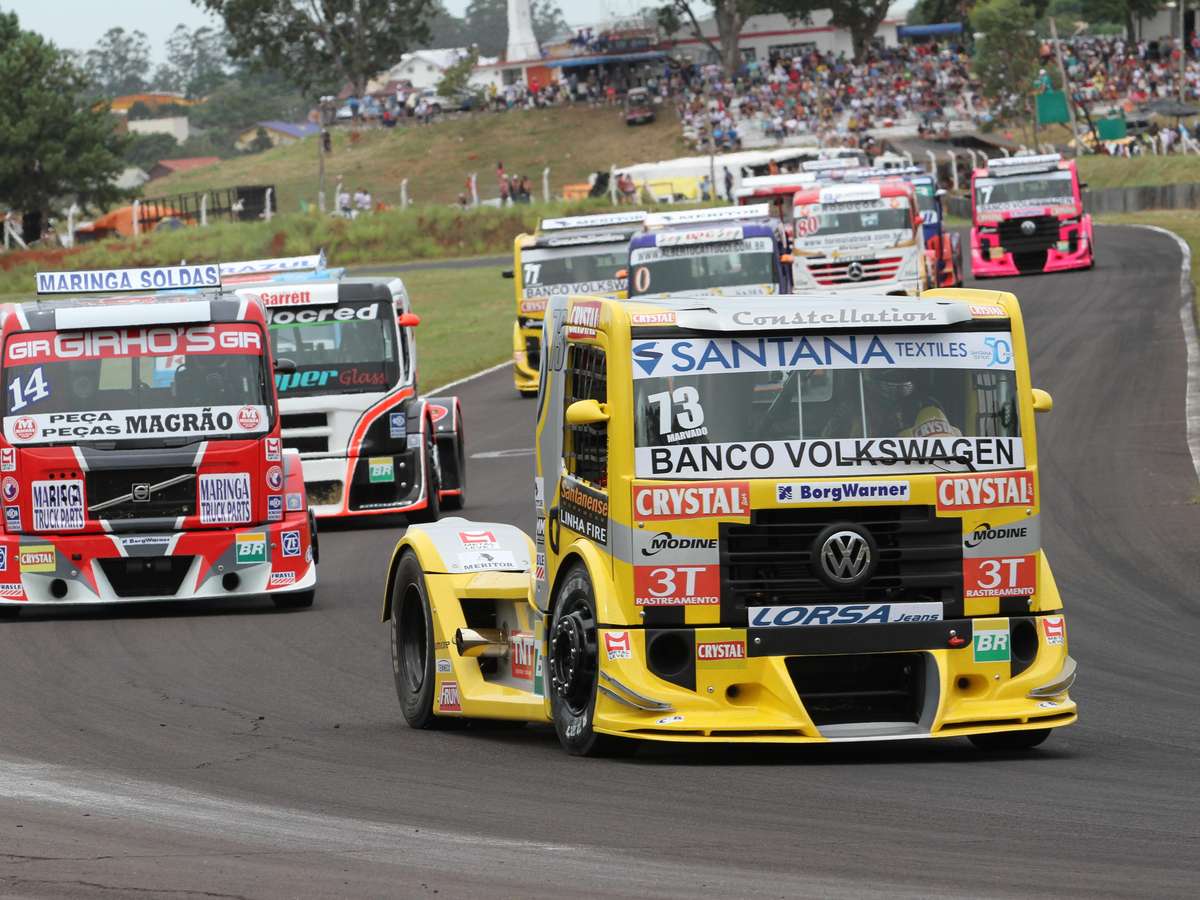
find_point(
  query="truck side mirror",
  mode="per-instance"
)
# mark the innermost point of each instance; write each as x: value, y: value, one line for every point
x: 622, y: 273
x: 507, y: 273
x: 587, y: 412
x: 285, y: 366
x: 786, y: 258
x: 409, y: 320
x: 941, y: 192
x: 1042, y: 401
x: 1083, y: 185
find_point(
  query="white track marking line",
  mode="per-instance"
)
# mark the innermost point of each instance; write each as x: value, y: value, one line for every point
x: 1187, y: 315
x: 453, y: 384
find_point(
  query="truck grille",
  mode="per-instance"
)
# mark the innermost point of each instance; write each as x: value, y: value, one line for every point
x: 533, y: 351
x: 303, y: 420
x: 770, y: 561
x: 307, y: 443
x: 117, y: 494
x: 1029, y: 250
x: 860, y: 271
x: 146, y: 577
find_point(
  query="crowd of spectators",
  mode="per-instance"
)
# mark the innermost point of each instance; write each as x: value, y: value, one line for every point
x: 1114, y: 71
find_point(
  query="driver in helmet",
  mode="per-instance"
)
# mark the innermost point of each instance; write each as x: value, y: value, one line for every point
x: 894, y: 406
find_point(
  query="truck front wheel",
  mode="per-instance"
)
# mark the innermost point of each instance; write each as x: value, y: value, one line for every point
x: 574, y: 668
x: 412, y: 644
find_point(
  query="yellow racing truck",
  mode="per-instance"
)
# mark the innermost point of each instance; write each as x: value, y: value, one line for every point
x: 772, y: 519
x: 569, y: 255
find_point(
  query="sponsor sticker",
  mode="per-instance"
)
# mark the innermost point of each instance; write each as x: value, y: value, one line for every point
x: 661, y: 318
x: 282, y: 579
x: 718, y: 650
x: 984, y: 490
x: 1020, y: 538
x: 274, y: 449
x: 844, y: 614
x: 12, y: 591
x: 11, y: 489
x: 669, y: 720
x: 37, y: 558
x: 484, y: 560
x: 691, y: 501
x: 195, y: 421
x: 478, y: 540
x: 3, y: 557
x: 522, y: 655
x: 397, y: 425
x: 12, y: 518
x: 661, y: 547
x: 583, y: 319
x: 274, y: 508
x: 413, y: 442
x: 1007, y: 577
x: 380, y: 470
x: 444, y: 666
x: 847, y: 456
x: 251, y: 547
x: 290, y: 543
x: 991, y: 645
x: 225, y: 499
x: 983, y: 311
x: 448, y: 697
x: 808, y: 352
x: 57, y: 505
x: 275, y: 478
x: 309, y: 295
x: 842, y: 491
x: 295, y: 502
x: 146, y: 540
x: 1055, y: 629
x: 437, y: 412
x: 8, y: 459
x: 677, y: 585
x: 583, y: 510
x: 34, y: 347
x: 617, y: 645
x: 248, y: 418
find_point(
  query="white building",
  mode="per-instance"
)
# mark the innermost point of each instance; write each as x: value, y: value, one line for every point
x: 422, y: 68
x: 175, y: 126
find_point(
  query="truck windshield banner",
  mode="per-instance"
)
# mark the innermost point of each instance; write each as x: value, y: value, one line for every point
x: 32, y: 347
x: 118, y: 424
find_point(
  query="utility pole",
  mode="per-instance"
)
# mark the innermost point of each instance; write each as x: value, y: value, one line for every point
x: 322, y: 136
x: 1182, y: 49
x: 1062, y: 71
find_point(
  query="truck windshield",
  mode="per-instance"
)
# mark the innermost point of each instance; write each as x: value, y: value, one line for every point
x: 822, y: 405
x: 180, y: 383
x: 698, y: 267
x: 344, y: 349
x: 581, y: 269
x: 1020, y: 192
x: 852, y: 218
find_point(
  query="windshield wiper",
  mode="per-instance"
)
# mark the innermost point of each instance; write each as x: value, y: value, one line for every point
x: 960, y: 458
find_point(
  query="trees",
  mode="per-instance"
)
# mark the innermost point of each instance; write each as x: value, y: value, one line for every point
x: 197, y: 61
x: 119, y: 63
x: 729, y: 17
x: 1126, y: 12
x: 1006, y: 54
x: 306, y: 40
x: 485, y: 24
x: 56, y: 144
x: 861, y: 18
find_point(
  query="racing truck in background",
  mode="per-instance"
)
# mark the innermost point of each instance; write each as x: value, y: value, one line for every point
x: 371, y: 445
x: 859, y: 235
x: 943, y: 248
x: 141, y: 456
x: 1027, y: 216
x: 777, y: 519
x: 568, y: 255
x: 722, y: 251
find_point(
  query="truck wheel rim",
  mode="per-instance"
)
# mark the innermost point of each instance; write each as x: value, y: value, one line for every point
x: 573, y: 657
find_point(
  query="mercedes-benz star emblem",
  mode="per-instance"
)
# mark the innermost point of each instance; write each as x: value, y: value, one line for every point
x: 845, y: 557
x: 854, y: 271
x: 1028, y: 228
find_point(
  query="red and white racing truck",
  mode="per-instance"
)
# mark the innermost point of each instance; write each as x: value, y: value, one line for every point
x: 371, y: 444
x: 141, y: 458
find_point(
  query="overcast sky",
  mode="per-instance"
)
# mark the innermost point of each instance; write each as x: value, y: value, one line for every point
x: 77, y: 23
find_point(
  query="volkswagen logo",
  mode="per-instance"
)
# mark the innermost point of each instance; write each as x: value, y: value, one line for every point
x: 140, y: 492
x: 845, y: 556
x: 1028, y: 227
x: 854, y: 271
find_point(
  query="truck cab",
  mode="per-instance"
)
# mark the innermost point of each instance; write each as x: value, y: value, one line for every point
x: 797, y: 519
x: 141, y: 456
x: 567, y: 255
x: 371, y: 445
x: 777, y: 191
x: 725, y: 251
x: 855, y: 236
x: 1027, y: 216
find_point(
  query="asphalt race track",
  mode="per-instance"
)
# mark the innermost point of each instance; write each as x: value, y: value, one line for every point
x: 252, y: 753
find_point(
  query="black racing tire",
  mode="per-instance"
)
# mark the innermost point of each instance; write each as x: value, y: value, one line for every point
x: 412, y: 645
x: 296, y: 600
x: 433, y: 508
x: 457, y: 501
x: 1000, y: 741
x: 529, y: 393
x: 572, y: 670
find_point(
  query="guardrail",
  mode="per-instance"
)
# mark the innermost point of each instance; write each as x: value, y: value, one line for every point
x: 1114, y: 200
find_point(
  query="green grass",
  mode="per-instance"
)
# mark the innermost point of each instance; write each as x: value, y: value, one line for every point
x: 1113, y: 171
x: 420, y: 234
x: 466, y: 321
x: 437, y: 158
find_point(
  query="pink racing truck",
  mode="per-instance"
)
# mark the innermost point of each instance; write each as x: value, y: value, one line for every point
x: 1027, y: 216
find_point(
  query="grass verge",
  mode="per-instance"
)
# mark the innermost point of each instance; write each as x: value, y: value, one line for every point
x: 1102, y: 172
x: 466, y: 321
